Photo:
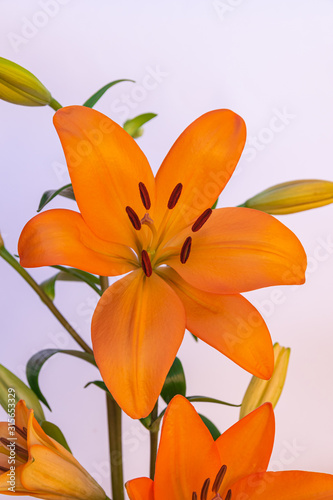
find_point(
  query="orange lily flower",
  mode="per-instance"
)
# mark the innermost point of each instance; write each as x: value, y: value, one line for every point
x: 32, y: 463
x: 190, y: 465
x: 187, y: 263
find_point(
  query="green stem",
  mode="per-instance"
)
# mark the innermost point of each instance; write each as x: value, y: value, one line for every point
x: 54, y: 104
x: 153, y: 434
x: 115, y: 442
x: 44, y: 298
x: 115, y: 446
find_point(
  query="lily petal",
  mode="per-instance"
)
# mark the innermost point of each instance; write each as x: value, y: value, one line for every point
x: 62, y: 237
x: 202, y: 159
x: 46, y: 474
x: 135, y: 339
x: 246, y: 447
x: 106, y: 166
x: 141, y: 488
x: 187, y: 453
x: 238, y: 250
x: 229, y: 323
x: 289, y: 485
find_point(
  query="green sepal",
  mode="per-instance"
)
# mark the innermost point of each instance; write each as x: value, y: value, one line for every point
x: 211, y: 427
x: 36, y: 362
x: 90, y: 103
x: 55, y: 433
x: 69, y: 274
x: 215, y: 204
x: 65, y: 191
x: 134, y: 126
x: 175, y: 382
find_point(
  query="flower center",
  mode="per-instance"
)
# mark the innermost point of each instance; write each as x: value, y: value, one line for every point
x: 215, y: 488
x: 158, y: 235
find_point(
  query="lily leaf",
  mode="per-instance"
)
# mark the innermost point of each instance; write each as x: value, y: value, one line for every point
x: 66, y: 191
x: 175, y: 382
x: 99, y: 384
x: 90, y: 103
x: 211, y: 427
x: 69, y: 274
x: 37, y: 361
x: 204, y: 399
x: 54, y: 432
x: 134, y: 126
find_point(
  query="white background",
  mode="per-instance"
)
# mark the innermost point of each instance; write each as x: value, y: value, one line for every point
x: 256, y: 57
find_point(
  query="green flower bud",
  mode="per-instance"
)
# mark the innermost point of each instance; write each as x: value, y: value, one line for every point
x: 11, y: 384
x: 19, y: 86
x: 267, y: 391
x: 291, y: 197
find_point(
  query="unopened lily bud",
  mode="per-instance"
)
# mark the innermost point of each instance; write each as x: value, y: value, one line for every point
x: 267, y: 391
x: 1, y: 242
x: 19, y: 86
x: 43, y: 468
x: 11, y: 385
x: 294, y: 196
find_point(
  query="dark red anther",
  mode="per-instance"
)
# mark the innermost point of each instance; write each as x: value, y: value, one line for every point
x: 23, y: 433
x: 228, y: 495
x: 145, y: 198
x: 4, y: 469
x: 201, y: 220
x: 185, y: 251
x: 204, y: 490
x: 219, y: 478
x: 146, y: 264
x: 194, y: 496
x: 133, y: 217
x: 174, y: 197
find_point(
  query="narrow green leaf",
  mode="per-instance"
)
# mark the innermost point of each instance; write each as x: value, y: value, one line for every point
x: 90, y: 103
x: 133, y: 126
x: 54, y: 432
x: 211, y: 427
x: 204, y: 399
x: 37, y: 361
x: 65, y: 191
x: 175, y: 382
x: 69, y: 274
x: 99, y: 384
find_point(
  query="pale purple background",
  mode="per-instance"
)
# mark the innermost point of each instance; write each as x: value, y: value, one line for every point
x: 255, y: 57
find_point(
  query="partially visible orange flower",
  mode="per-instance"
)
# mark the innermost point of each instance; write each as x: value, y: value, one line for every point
x: 32, y: 463
x: 190, y: 465
x: 188, y: 263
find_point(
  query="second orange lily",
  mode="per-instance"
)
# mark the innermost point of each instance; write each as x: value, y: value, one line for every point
x: 188, y: 264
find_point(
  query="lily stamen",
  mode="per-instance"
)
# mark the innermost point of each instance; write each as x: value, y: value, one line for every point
x: 204, y: 489
x: 145, y: 198
x: 194, y: 496
x: 146, y: 264
x: 202, y: 220
x: 228, y: 495
x: 22, y: 432
x: 133, y: 217
x: 4, y: 469
x: 174, y: 197
x: 21, y: 452
x: 219, y: 478
x: 186, y: 249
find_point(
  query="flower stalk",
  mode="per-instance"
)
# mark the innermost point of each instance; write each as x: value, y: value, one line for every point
x: 114, y: 415
x: 44, y: 298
